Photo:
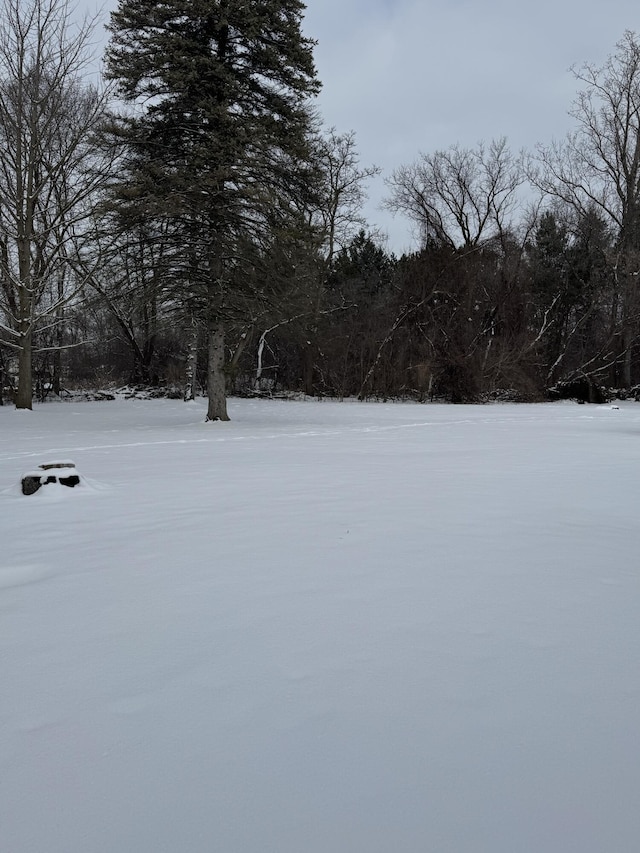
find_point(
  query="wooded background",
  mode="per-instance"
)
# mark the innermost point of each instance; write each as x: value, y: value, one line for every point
x: 187, y: 222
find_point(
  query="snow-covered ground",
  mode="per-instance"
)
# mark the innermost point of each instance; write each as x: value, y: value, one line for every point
x: 321, y: 628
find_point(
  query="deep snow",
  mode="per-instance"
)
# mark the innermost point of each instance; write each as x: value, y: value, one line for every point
x: 321, y: 628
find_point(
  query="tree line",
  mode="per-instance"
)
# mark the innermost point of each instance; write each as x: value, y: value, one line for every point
x: 183, y: 219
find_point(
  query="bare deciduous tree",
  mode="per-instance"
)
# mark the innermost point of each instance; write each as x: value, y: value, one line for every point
x: 597, y: 167
x: 344, y: 192
x: 460, y: 196
x: 48, y: 166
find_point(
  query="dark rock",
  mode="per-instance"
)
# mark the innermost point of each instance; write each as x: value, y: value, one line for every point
x: 30, y: 484
x: 71, y: 481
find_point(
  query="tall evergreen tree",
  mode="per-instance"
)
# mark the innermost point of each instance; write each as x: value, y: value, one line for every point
x: 219, y: 130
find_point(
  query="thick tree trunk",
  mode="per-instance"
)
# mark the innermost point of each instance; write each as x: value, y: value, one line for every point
x: 24, y: 394
x: 216, y: 379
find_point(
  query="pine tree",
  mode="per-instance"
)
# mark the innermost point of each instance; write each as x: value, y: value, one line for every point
x: 220, y: 90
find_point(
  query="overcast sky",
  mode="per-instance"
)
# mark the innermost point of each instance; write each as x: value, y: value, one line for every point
x: 418, y: 75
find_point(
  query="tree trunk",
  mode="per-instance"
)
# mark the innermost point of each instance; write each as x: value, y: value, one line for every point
x: 216, y: 379
x: 56, y: 378
x: 628, y: 318
x: 627, y: 342
x: 24, y: 394
x: 308, y: 367
x: 192, y: 363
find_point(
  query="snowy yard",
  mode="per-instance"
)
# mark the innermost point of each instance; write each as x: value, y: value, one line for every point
x: 321, y: 628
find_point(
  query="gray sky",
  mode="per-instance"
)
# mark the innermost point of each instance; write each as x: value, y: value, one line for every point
x: 418, y: 75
